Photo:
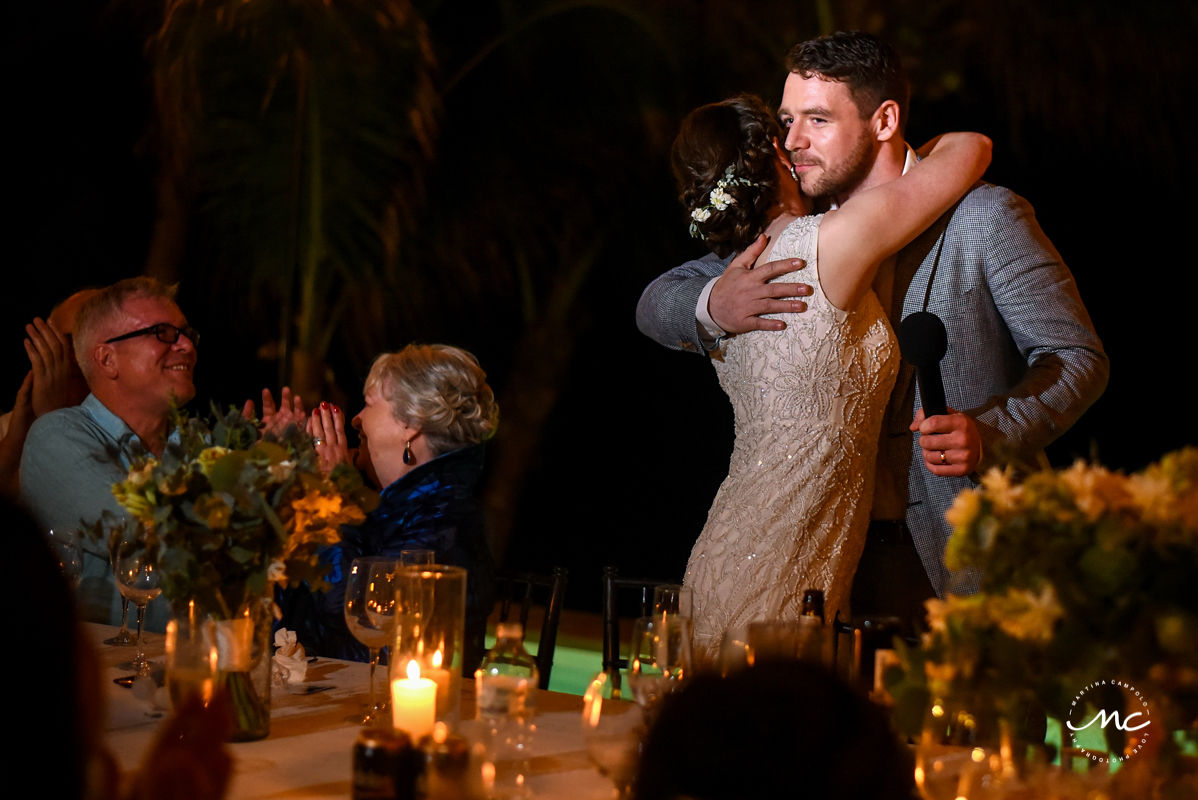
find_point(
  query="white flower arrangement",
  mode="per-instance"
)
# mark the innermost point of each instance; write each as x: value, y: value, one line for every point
x: 717, y: 200
x: 1086, y: 571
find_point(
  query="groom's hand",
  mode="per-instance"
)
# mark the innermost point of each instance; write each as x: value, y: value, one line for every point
x: 950, y: 443
x: 743, y: 293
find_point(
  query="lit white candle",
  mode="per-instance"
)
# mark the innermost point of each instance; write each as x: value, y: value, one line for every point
x: 414, y: 703
x: 442, y: 678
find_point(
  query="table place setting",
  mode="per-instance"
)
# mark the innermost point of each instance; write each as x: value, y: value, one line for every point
x: 308, y: 752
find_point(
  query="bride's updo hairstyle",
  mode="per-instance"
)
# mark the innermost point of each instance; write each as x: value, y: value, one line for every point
x: 736, y: 133
x: 440, y: 389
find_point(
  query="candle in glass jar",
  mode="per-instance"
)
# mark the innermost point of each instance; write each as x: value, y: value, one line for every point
x: 442, y: 679
x: 414, y: 702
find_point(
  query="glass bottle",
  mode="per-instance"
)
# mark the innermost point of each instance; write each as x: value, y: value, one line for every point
x: 813, y: 604
x: 814, y: 641
x: 506, y: 687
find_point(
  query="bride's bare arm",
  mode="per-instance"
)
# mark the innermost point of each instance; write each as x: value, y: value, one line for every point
x: 878, y: 222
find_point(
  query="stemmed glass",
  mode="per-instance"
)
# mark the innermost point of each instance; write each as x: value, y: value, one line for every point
x: 68, y: 554
x: 381, y: 606
x: 137, y: 579
x: 735, y: 650
x: 673, y: 598
x: 962, y: 752
x: 122, y: 637
x: 370, y: 614
x: 612, y: 731
x: 660, y: 658
x: 416, y: 558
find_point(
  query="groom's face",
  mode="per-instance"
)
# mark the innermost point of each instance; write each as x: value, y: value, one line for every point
x: 831, y: 146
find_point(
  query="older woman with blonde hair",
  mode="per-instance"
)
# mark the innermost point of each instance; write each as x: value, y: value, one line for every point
x: 428, y: 411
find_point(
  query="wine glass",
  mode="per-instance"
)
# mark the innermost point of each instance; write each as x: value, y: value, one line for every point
x: 122, y: 637
x: 137, y: 579
x: 660, y: 658
x: 735, y: 650
x: 68, y: 553
x: 777, y: 640
x: 417, y: 558
x: 612, y: 731
x: 673, y: 598
x: 364, y: 605
x: 961, y: 753
x: 381, y: 606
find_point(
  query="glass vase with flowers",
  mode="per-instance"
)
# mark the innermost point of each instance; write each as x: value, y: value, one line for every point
x: 229, y: 513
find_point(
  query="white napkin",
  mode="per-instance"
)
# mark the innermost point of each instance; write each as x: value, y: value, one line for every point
x: 290, y: 664
x: 151, y: 689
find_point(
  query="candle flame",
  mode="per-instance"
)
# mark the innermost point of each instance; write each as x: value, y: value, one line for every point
x: 413, y: 670
x: 437, y: 660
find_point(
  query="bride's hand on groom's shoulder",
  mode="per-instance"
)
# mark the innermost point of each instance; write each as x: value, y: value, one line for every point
x: 744, y: 292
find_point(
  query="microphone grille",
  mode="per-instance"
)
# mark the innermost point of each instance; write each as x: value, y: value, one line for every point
x: 923, y: 339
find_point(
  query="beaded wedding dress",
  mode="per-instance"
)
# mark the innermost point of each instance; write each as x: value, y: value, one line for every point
x: 808, y: 404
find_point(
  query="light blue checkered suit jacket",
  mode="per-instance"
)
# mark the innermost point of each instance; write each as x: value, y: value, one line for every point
x: 1023, y: 357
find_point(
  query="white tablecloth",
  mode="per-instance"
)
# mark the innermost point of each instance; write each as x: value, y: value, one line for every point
x: 309, y: 750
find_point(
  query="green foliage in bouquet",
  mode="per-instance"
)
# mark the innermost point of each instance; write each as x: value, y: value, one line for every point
x: 229, y: 511
x: 1087, y: 574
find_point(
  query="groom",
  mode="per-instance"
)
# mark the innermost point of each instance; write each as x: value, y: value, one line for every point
x: 1023, y: 358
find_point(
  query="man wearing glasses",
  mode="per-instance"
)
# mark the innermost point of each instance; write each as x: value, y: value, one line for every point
x: 138, y: 355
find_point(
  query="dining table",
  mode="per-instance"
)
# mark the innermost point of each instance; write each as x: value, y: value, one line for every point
x: 315, y: 723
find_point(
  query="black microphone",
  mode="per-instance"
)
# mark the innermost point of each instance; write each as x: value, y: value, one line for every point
x: 924, y: 341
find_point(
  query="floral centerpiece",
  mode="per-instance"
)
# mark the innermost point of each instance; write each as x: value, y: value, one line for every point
x: 229, y: 512
x: 1090, y: 578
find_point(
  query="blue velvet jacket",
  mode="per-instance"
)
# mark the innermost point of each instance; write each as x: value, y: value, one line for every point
x: 434, y: 507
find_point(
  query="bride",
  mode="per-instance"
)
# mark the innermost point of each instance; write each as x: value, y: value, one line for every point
x: 808, y: 402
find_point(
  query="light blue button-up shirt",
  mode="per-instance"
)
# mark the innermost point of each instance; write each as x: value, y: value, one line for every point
x: 72, y: 457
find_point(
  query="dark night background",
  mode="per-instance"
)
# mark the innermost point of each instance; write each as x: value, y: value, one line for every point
x: 551, y: 206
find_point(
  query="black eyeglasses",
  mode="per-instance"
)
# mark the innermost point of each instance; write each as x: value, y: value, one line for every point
x: 165, y: 333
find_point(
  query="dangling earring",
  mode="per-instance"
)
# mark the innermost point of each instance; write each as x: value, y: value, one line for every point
x: 408, y: 458
x: 794, y: 173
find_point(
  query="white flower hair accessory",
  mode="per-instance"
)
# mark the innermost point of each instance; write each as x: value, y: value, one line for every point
x: 718, y: 200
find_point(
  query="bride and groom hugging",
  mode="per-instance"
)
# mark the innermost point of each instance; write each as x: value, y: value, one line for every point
x: 829, y: 486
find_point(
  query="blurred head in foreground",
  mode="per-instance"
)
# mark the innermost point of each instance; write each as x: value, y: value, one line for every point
x: 787, y: 729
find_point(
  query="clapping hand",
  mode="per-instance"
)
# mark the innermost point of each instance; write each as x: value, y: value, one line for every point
x: 290, y: 411
x: 744, y: 292
x: 53, y: 367
x: 326, y: 426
